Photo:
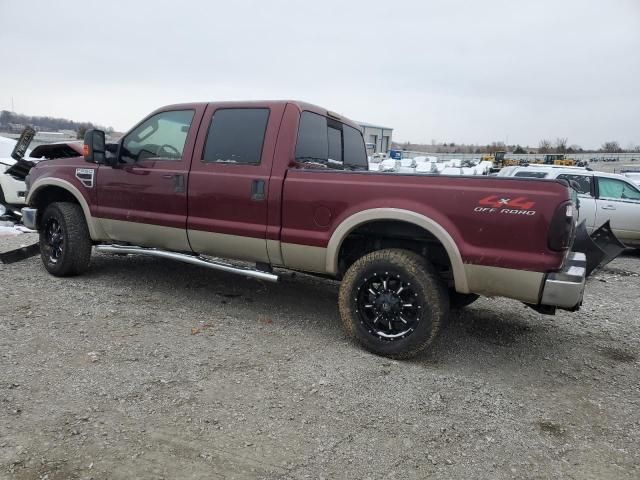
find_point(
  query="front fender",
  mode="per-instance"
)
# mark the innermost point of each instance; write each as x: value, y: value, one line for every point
x: 43, y: 185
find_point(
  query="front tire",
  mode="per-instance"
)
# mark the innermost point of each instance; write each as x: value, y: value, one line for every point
x: 393, y: 303
x: 65, y: 244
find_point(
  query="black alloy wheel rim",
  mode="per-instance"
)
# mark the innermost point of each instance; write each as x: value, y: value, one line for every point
x: 54, y: 239
x: 388, y: 306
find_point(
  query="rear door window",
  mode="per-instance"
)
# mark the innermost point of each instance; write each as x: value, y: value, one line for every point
x: 313, y: 146
x: 236, y: 136
x: 583, y: 183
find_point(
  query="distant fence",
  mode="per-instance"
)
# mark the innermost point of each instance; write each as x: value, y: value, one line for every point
x: 533, y: 157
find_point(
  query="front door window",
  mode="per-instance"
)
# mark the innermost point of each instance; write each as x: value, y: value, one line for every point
x: 160, y: 137
x: 612, y: 189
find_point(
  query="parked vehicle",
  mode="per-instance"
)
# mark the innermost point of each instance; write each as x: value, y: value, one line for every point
x: 603, y: 197
x: 632, y: 173
x: 12, y: 172
x: 285, y: 184
x: 633, y: 176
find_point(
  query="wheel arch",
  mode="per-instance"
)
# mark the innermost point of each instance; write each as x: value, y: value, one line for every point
x: 429, y: 225
x: 48, y: 190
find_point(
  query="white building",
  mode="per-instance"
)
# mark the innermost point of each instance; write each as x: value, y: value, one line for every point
x: 377, y: 138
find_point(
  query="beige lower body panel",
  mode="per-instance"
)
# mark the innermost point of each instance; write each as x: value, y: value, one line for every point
x: 146, y: 235
x: 490, y: 281
x: 275, y: 252
x: 520, y: 285
x: 229, y: 246
x: 304, y: 257
x: 206, y: 243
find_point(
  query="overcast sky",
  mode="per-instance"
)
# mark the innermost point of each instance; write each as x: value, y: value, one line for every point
x: 459, y: 71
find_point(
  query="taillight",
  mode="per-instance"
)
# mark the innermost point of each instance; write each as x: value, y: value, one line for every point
x: 562, y: 227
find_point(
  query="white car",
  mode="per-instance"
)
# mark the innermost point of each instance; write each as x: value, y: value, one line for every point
x: 12, y: 191
x: 13, y: 188
x: 633, y: 175
x: 603, y: 196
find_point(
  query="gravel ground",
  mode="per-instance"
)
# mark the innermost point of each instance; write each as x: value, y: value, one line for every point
x: 145, y: 368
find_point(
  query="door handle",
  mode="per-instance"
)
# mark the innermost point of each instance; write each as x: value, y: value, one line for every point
x: 608, y: 207
x: 257, y: 190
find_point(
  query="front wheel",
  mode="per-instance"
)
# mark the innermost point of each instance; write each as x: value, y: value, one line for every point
x: 393, y: 303
x: 65, y: 244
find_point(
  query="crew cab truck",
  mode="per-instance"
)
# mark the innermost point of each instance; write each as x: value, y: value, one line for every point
x: 285, y: 184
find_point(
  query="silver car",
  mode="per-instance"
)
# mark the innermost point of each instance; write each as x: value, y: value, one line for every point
x: 603, y: 196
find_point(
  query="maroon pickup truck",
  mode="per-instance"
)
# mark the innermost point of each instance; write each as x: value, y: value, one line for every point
x: 285, y: 184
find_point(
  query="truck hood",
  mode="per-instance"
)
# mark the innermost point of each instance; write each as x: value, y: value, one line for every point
x: 61, y: 162
x: 57, y: 150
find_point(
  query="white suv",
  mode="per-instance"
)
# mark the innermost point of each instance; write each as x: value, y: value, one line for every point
x: 603, y: 196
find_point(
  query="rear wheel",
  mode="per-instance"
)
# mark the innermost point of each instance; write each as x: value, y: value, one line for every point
x: 393, y: 303
x: 65, y: 245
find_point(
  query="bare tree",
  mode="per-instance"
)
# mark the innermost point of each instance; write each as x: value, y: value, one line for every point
x: 544, y: 146
x: 611, y: 147
x: 494, y: 147
x: 561, y: 144
x: 574, y: 148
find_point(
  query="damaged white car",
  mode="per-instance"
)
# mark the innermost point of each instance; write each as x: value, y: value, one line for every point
x: 13, y: 172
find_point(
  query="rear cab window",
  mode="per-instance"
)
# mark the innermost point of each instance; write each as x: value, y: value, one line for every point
x: 326, y: 143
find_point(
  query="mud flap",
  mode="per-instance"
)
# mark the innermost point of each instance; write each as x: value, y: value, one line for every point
x: 600, y: 247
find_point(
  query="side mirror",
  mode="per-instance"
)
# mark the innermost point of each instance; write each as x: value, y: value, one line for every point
x: 94, y: 146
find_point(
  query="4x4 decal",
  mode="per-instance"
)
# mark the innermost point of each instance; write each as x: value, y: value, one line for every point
x: 503, y: 205
x: 497, y: 202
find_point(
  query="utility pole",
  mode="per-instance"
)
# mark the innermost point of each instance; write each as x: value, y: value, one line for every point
x: 12, y: 109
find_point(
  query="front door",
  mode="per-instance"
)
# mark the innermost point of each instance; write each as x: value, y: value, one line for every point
x: 228, y: 185
x: 619, y: 202
x: 143, y: 199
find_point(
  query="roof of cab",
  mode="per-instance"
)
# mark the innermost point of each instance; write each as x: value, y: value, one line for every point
x: 302, y: 106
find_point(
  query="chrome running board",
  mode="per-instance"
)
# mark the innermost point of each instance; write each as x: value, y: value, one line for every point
x: 192, y: 259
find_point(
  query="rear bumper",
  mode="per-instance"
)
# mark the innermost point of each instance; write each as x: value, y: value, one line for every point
x: 29, y: 217
x: 565, y: 289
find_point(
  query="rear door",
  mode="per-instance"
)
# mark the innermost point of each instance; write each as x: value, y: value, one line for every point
x: 228, y: 192
x: 619, y: 202
x: 143, y: 199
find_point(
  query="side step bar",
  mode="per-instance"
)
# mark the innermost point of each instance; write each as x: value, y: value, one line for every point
x: 186, y: 258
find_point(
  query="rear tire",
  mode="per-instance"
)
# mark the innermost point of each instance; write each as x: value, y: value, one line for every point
x: 393, y: 303
x: 65, y: 244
